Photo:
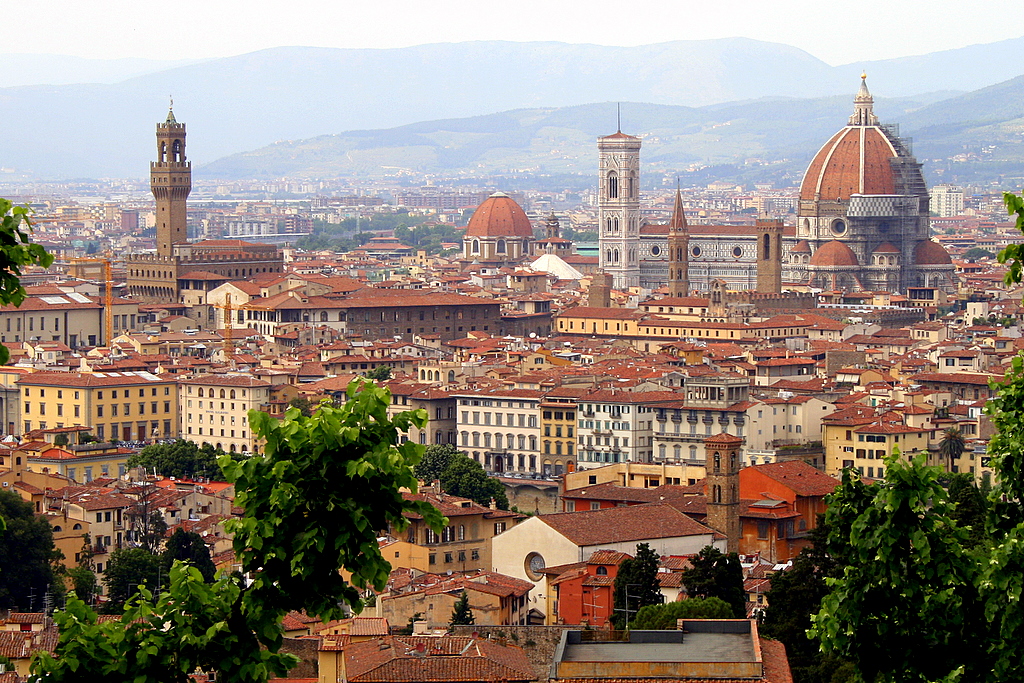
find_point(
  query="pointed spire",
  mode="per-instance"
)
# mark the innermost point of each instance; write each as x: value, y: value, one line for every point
x: 678, y: 222
x: 618, y: 117
x: 863, y: 106
x: 170, y: 111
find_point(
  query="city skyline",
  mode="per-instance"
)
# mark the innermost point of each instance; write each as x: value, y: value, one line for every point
x: 204, y: 30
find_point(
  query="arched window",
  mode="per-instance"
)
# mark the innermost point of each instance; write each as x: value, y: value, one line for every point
x: 767, y: 247
x: 200, y: 392
x: 323, y: 316
x: 613, y: 185
x: 176, y: 152
x: 476, y: 246
x: 76, y: 527
x: 451, y: 375
x: 232, y: 393
x: 615, y: 256
x: 223, y: 394
x: 602, y: 571
x: 58, y: 528
x: 718, y: 461
x: 501, y: 247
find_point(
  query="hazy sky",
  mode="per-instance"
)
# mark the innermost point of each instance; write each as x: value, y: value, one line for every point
x: 835, y: 32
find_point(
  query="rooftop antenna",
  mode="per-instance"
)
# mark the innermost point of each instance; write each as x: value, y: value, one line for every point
x: 618, y: 117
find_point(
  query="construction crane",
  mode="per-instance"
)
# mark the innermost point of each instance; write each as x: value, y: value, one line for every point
x: 229, y: 341
x: 108, y: 297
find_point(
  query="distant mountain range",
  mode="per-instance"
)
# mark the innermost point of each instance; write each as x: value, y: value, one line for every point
x: 249, y: 101
x: 769, y: 140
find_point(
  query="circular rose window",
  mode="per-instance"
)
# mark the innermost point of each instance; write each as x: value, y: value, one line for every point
x: 696, y: 251
x: 737, y: 252
x: 534, y: 566
x: 655, y: 251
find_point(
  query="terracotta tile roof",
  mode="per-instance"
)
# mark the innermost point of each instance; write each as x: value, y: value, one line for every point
x: 800, y: 477
x: 449, y: 659
x: 624, y: 524
x: 21, y: 645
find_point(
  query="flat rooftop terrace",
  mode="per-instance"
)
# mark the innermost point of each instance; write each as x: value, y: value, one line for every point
x: 702, y: 648
x: 695, y: 647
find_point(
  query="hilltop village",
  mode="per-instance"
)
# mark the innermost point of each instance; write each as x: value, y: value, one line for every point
x: 685, y: 384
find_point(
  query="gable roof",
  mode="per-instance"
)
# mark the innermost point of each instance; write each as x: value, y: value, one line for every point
x: 624, y: 524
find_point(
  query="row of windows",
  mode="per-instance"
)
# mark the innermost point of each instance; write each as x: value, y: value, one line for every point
x: 560, y: 415
x: 510, y: 419
x: 499, y: 441
x: 99, y: 394
x: 449, y: 557
x: 127, y: 409
x: 487, y: 403
x: 212, y: 393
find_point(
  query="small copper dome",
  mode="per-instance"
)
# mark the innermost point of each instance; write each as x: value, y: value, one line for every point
x: 928, y: 253
x: 499, y: 216
x: 886, y: 248
x: 834, y: 253
x: 801, y: 247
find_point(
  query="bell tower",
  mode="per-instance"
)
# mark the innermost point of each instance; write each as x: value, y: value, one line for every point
x: 678, y: 251
x: 619, y: 208
x: 722, y: 460
x: 170, y: 178
x: 769, y: 256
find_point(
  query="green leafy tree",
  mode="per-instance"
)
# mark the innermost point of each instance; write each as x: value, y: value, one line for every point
x: 636, y: 585
x: 188, y: 546
x: 436, y: 459
x: 127, y: 570
x: 969, y: 508
x: 975, y: 253
x: 380, y: 373
x: 27, y: 554
x: 60, y: 440
x: 906, y: 601
x: 180, y: 458
x: 714, y: 574
x: 462, y: 615
x: 466, y: 477
x: 84, y: 583
x: 663, y: 617
x: 795, y: 595
x: 16, y: 252
x: 305, y: 406
x: 313, y: 503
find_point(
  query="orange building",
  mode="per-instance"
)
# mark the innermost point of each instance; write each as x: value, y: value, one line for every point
x: 584, y: 592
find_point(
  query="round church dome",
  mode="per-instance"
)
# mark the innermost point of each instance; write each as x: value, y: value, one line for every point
x: 855, y: 160
x: 928, y: 253
x: 801, y: 247
x: 499, y: 216
x: 834, y: 253
x: 886, y: 248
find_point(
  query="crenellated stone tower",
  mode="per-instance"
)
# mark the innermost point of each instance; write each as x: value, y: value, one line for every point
x: 170, y: 178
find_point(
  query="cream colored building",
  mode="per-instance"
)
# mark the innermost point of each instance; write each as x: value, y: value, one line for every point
x: 500, y: 429
x: 215, y: 410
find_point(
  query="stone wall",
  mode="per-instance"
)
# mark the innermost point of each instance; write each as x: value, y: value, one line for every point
x: 538, y: 642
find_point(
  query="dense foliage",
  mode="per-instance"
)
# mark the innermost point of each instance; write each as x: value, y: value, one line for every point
x: 16, y: 252
x: 466, y: 477
x: 181, y: 459
x: 27, y: 554
x: 663, y: 617
x: 313, y: 503
x: 636, y: 585
x: 714, y: 574
x: 188, y: 546
x: 127, y: 570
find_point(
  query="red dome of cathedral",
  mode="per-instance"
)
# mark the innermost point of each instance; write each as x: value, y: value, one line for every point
x: 854, y: 161
x: 499, y: 216
x: 834, y: 253
x: 928, y: 253
x: 886, y: 248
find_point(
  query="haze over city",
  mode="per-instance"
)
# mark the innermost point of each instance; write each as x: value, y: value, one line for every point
x: 536, y: 342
